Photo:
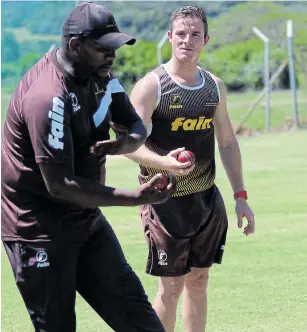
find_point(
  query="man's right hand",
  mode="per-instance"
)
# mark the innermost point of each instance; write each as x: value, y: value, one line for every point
x: 112, y: 146
x: 173, y: 166
x: 148, y: 194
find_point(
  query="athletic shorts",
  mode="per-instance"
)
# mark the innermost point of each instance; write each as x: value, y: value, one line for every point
x: 185, y: 232
x: 48, y: 275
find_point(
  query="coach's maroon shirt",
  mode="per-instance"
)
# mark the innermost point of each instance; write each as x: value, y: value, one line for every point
x: 54, y: 118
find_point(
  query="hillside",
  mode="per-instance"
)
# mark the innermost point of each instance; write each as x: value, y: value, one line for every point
x: 269, y: 17
x: 234, y: 52
x: 146, y: 20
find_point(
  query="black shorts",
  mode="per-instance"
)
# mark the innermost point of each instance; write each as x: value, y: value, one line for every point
x: 49, y: 274
x: 185, y: 232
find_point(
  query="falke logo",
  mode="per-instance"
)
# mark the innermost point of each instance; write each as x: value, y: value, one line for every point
x: 162, y: 257
x: 186, y: 124
x: 175, y: 102
x: 42, y: 259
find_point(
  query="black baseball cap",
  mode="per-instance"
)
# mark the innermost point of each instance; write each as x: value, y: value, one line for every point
x: 96, y: 21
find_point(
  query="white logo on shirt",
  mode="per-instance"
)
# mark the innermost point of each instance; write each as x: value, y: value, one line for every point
x: 57, y: 126
x: 74, y: 102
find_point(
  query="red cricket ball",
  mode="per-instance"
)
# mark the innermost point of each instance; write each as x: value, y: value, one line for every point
x: 162, y: 182
x: 186, y: 156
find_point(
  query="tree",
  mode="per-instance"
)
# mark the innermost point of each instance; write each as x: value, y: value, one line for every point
x: 28, y: 61
x: 10, y: 47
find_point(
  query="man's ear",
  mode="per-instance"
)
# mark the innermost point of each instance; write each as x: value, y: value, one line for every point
x: 74, y: 45
x: 207, y: 38
x: 169, y: 35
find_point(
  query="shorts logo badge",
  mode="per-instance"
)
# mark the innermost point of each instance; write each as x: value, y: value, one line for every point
x: 162, y: 256
x: 42, y: 259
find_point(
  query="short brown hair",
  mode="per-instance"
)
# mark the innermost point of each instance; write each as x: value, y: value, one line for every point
x: 190, y: 11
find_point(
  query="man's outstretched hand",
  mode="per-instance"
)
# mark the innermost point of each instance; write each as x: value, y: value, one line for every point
x: 113, y: 146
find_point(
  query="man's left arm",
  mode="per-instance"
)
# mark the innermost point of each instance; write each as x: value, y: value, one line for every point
x: 231, y: 159
x: 123, y: 113
x: 128, y: 127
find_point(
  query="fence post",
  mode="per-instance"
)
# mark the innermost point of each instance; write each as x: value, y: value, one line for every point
x: 292, y: 73
x: 267, y: 84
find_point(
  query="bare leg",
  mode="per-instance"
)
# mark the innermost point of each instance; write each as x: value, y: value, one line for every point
x: 194, y: 306
x: 165, y: 303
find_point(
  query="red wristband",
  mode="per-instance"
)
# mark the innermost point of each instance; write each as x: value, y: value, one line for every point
x: 240, y: 194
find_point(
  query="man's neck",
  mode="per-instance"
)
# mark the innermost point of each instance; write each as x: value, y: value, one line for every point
x: 186, y: 73
x: 64, y: 62
x: 70, y: 66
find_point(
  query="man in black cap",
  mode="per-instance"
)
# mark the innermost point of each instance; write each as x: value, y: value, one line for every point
x: 54, y: 143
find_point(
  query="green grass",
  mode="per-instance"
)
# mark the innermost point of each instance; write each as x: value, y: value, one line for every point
x: 262, y: 284
x: 239, y: 103
x: 281, y: 108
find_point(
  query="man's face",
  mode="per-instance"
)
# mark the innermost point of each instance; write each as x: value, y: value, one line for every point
x: 94, y: 59
x: 187, y: 38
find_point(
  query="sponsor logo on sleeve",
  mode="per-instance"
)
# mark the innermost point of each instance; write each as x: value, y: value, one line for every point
x: 56, y: 135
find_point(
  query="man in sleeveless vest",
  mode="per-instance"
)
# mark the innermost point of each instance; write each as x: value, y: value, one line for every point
x: 54, y: 142
x: 184, y: 107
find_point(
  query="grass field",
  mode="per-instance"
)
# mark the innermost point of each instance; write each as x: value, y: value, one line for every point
x: 262, y: 284
x: 239, y: 103
x: 281, y: 108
